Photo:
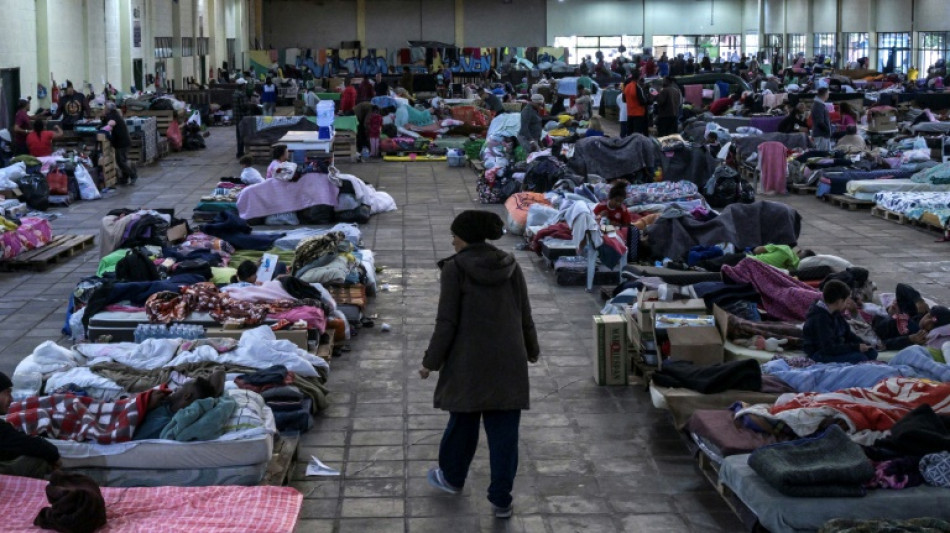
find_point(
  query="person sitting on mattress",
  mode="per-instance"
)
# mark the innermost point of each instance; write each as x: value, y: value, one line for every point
x: 908, y: 319
x: 21, y: 454
x: 247, y: 273
x: 826, y: 336
x: 162, y: 404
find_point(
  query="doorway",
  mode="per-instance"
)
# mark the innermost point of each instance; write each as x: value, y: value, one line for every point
x: 137, y: 73
x: 10, y: 92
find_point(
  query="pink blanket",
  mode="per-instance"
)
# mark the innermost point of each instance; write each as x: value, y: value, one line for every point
x: 168, y: 509
x: 263, y: 293
x: 773, y: 166
x: 32, y: 233
x: 783, y: 297
x: 276, y: 196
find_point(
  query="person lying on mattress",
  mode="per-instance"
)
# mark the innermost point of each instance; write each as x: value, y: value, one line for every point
x: 826, y: 335
x: 143, y: 416
x: 22, y: 455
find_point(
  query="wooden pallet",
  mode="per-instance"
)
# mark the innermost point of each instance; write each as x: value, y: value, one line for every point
x: 260, y: 152
x: 848, y: 202
x: 801, y: 188
x: 477, y: 165
x: 344, y: 146
x: 887, y: 214
x: 60, y: 248
x: 282, y: 461
x: 163, y: 119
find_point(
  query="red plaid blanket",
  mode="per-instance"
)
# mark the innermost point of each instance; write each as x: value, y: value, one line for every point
x: 79, y: 418
x: 166, y: 509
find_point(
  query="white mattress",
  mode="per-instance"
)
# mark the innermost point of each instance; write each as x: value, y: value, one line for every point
x: 866, y: 189
x: 241, y: 448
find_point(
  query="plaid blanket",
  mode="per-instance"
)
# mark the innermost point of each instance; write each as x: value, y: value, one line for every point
x: 166, y: 509
x: 79, y: 418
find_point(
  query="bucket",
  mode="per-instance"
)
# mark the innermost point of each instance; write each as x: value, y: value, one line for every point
x: 456, y: 160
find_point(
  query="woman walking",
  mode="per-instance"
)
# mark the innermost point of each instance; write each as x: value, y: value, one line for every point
x: 484, y: 338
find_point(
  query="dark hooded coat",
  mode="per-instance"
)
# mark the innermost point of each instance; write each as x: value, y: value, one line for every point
x: 484, y: 334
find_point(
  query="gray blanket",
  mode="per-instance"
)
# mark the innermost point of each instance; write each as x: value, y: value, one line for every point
x: 746, y: 146
x: 744, y: 225
x: 613, y: 157
x: 830, y: 465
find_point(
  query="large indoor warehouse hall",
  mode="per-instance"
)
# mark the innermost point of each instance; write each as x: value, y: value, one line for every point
x: 471, y: 266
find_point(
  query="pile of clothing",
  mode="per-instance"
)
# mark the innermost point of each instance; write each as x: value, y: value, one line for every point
x: 127, y: 228
x: 331, y: 259
x: 275, y: 384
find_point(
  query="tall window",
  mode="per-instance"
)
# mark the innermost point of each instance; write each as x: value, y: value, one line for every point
x: 163, y: 47
x: 774, y: 46
x: 204, y: 45
x: 824, y: 44
x: 855, y: 46
x: 232, y: 53
x: 187, y: 46
x: 729, y: 44
x: 934, y: 45
x: 896, y: 45
x: 751, y: 44
x: 796, y: 45
x: 580, y: 46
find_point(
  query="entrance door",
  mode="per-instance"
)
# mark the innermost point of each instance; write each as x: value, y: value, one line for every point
x: 137, y: 74
x: 10, y: 90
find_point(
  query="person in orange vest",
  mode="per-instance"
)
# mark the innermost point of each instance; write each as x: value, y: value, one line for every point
x: 636, y: 100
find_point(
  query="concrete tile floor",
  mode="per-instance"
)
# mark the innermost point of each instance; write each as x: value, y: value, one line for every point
x: 592, y: 458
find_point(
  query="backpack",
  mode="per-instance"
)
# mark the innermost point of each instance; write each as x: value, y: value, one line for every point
x: 726, y: 187
x: 136, y: 266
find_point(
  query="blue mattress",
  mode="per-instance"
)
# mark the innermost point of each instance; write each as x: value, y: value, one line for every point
x: 837, y: 183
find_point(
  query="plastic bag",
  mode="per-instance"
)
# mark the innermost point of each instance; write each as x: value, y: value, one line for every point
x: 283, y: 219
x: 173, y: 134
x: 920, y: 144
x: 286, y: 171
x: 35, y: 191
x: 10, y: 173
x: 87, y: 186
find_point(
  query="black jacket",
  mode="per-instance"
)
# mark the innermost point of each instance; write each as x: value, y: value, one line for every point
x: 493, y: 103
x: 120, y: 132
x: 71, y: 108
x: 14, y: 444
x: 484, y: 334
x: 828, y: 333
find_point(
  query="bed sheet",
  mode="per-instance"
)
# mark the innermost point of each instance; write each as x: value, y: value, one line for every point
x: 866, y: 189
x: 245, y: 475
x: 170, y: 509
x: 785, y: 514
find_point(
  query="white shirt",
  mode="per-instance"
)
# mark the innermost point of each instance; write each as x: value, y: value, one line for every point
x: 623, y: 107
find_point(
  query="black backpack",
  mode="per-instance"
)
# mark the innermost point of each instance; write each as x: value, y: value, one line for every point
x: 136, y: 266
x: 726, y: 187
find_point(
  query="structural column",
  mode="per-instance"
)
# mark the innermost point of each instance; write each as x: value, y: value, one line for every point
x: 460, y: 23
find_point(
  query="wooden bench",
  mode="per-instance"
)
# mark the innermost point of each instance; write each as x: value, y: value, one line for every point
x: 62, y: 247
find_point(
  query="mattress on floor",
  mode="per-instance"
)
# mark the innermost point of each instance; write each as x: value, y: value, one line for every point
x: 674, y: 277
x: 247, y: 475
x: 682, y: 403
x: 866, y: 189
x: 715, y: 432
x: 121, y: 324
x: 784, y: 514
x: 734, y: 352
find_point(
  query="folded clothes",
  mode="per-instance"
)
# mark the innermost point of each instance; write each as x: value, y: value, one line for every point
x: 829, y: 465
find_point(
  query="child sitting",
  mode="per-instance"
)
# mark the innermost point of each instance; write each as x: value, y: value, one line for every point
x: 826, y: 336
x: 250, y: 175
x: 280, y: 155
x: 613, y: 209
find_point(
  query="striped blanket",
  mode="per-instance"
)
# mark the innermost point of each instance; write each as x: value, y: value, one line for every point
x: 167, y: 509
x: 79, y: 418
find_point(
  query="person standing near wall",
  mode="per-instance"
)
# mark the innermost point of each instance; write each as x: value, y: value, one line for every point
x: 269, y: 97
x: 72, y: 107
x: 121, y: 141
x: 21, y: 127
x: 821, y: 121
x: 481, y: 377
x: 530, y: 131
x: 238, y: 110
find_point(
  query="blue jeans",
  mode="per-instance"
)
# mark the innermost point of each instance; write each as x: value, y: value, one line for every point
x: 853, y: 357
x: 460, y: 441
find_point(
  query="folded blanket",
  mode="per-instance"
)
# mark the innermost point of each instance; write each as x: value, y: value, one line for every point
x: 203, y: 419
x: 829, y: 465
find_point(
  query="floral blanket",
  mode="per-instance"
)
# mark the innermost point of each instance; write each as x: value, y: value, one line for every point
x: 916, y: 204
x: 31, y: 234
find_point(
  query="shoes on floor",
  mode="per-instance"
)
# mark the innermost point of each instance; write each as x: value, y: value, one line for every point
x: 437, y: 479
x: 502, y: 512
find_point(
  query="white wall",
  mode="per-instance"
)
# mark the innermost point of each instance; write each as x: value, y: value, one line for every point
x: 797, y: 12
x: 896, y: 16
x: 692, y: 17
x: 18, y: 44
x: 383, y: 17
x: 824, y: 16
x: 594, y: 17
x: 67, y: 41
x: 490, y: 23
x: 855, y: 15
x: 932, y: 15
x: 307, y: 24
x: 750, y: 16
x: 774, y: 16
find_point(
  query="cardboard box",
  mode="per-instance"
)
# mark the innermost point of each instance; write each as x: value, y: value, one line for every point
x: 700, y: 344
x: 296, y: 336
x: 611, y: 364
x: 886, y: 121
x: 648, y: 308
